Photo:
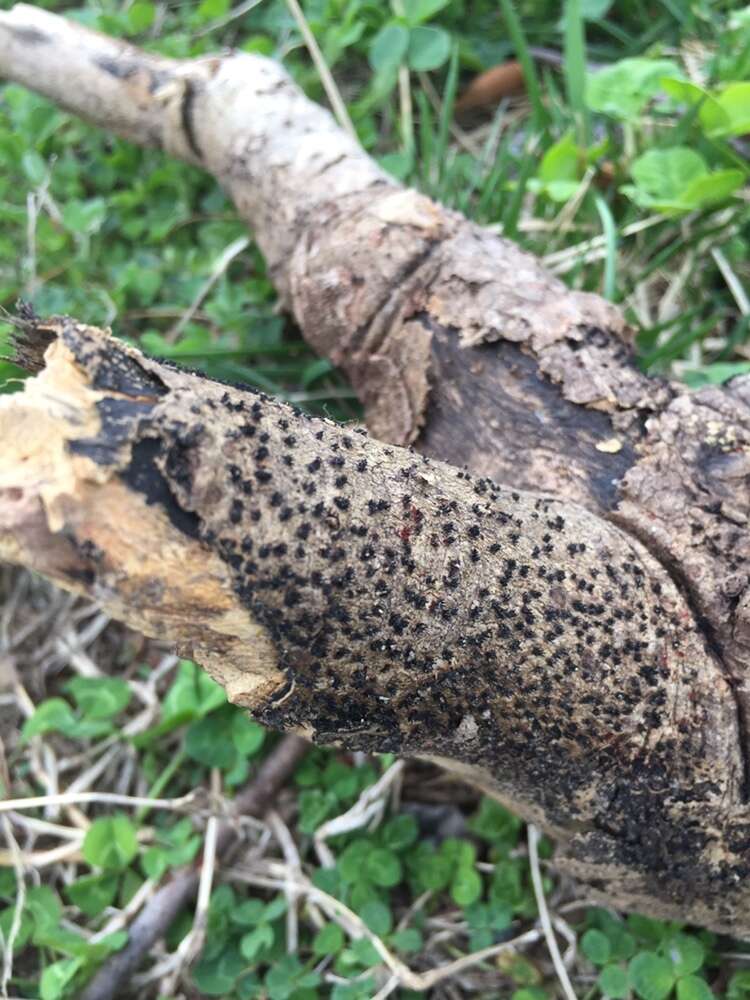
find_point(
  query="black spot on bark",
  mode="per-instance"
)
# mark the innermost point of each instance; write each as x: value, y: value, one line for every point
x: 186, y: 117
x: 144, y: 476
x: 29, y: 36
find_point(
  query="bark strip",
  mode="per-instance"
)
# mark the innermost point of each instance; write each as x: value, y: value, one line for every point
x: 364, y: 595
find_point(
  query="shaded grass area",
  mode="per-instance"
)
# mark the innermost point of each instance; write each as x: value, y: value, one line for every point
x: 593, y: 167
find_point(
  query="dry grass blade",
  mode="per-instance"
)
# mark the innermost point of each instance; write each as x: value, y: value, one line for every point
x: 7, y: 943
x: 326, y: 78
x: 544, y: 915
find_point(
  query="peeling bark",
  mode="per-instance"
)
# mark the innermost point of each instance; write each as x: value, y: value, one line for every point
x: 459, y: 342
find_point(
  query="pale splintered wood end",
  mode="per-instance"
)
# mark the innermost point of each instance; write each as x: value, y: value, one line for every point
x: 73, y: 515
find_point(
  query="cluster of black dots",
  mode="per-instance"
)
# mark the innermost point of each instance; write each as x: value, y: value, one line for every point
x: 416, y: 608
x: 403, y: 596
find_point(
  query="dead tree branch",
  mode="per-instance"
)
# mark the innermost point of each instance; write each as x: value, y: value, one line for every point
x: 618, y: 702
x: 364, y: 595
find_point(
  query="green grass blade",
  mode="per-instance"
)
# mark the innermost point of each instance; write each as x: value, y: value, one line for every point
x: 426, y: 134
x: 739, y: 335
x: 647, y: 336
x: 446, y: 112
x: 574, y: 67
x: 610, y: 241
x: 523, y: 54
x: 678, y: 343
x: 526, y: 169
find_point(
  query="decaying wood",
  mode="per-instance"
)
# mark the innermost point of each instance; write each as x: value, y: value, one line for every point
x: 362, y: 594
x: 617, y: 696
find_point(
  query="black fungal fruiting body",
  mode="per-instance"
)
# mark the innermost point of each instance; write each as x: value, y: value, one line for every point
x: 421, y: 610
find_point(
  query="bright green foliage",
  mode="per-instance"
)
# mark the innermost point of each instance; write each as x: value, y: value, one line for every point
x: 382, y: 867
x: 563, y: 167
x: 715, y: 374
x: 110, y: 843
x: 651, y: 976
x: 92, y: 893
x: 57, y: 976
x: 99, y: 697
x: 651, y: 959
x: 289, y: 977
x: 329, y: 787
x: 191, y: 695
x: 329, y: 940
x: 400, y: 832
x: 377, y: 916
x: 739, y: 985
x: 721, y: 113
x: 41, y: 928
x: 494, y: 823
x: 407, y: 40
x: 693, y: 988
x: 485, y: 921
x: 678, y: 180
x: 98, y: 700
x: 389, y: 47
x: 596, y: 947
x: 51, y: 715
x: 624, y: 89
x: 175, y: 845
x: 613, y: 982
x: 686, y: 953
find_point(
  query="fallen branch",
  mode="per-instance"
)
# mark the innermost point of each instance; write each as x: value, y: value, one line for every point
x: 364, y: 595
x: 158, y: 914
x: 394, y: 288
x: 647, y: 783
x: 388, y: 284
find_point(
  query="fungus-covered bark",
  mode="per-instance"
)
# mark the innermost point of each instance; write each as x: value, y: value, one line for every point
x: 460, y: 343
x: 362, y: 594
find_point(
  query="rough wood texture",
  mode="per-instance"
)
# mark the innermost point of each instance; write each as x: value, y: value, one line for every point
x: 459, y: 342
x: 362, y: 594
